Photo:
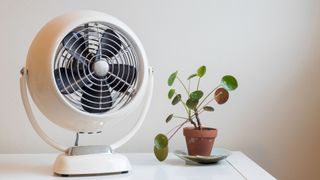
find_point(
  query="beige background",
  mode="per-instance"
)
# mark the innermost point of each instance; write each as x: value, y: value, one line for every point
x: 272, y: 46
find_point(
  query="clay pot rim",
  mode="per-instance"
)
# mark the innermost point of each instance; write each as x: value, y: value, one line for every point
x: 204, y: 132
x: 202, y: 128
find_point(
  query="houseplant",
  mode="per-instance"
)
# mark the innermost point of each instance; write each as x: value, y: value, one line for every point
x: 199, y: 139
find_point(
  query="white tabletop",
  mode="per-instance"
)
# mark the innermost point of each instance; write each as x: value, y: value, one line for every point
x: 145, y: 166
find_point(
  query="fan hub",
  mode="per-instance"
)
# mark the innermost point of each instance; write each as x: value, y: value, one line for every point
x: 101, y: 68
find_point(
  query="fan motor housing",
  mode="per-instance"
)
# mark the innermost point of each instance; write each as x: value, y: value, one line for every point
x: 41, y: 81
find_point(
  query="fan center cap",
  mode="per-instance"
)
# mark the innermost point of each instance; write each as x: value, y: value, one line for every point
x: 101, y: 68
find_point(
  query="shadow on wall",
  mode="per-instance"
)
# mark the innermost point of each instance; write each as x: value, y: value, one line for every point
x: 291, y: 128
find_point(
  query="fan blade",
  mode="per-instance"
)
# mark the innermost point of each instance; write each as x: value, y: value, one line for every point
x: 76, y: 46
x: 69, y: 81
x: 110, y: 43
x: 96, y: 99
x: 121, y: 76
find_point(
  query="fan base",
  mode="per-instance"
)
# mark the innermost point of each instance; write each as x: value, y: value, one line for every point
x: 91, y: 164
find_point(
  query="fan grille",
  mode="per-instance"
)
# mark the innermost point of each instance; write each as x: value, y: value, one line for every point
x: 96, y: 68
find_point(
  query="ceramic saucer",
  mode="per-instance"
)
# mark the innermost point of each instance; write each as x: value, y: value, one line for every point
x: 217, y: 155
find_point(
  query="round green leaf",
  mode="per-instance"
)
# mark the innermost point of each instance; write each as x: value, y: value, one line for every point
x: 201, y: 71
x: 208, y: 108
x: 192, y: 76
x: 162, y: 153
x: 196, y: 94
x: 176, y: 99
x: 172, y: 77
x: 171, y: 93
x: 192, y: 103
x: 229, y: 82
x: 161, y: 141
x: 221, y: 95
x: 169, y: 118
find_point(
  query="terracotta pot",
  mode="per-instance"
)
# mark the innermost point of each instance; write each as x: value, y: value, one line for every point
x: 200, y: 142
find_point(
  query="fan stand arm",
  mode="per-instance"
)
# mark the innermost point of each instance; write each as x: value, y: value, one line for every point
x: 142, y: 115
x: 51, y: 142
x: 31, y: 117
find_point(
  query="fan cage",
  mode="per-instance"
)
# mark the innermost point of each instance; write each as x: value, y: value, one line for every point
x: 93, y: 32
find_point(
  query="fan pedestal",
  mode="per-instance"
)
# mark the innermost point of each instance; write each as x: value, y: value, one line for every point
x: 91, y: 164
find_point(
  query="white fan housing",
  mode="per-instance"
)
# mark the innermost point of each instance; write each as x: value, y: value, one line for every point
x: 41, y: 80
x: 39, y: 76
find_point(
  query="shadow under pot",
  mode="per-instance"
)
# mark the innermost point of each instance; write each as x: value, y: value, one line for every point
x: 200, y: 141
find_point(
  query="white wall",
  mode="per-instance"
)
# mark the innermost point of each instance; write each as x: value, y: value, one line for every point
x: 272, y: 46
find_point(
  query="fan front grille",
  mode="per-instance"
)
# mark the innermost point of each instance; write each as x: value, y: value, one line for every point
x: 96, y: 68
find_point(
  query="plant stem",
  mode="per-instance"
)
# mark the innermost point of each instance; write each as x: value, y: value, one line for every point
x: 207, y: 103
x: 185, y: 106
x: 210, y: 100
x: 201, y: 109
x: 197, y: 118
x: 175, y: 127
x: 177, y: 130
x: 208, y: 96
x: 184, y: 86
x: 193, y: 123
x: 189, y: 86
x: 180, y: 117
x: 198, y: 83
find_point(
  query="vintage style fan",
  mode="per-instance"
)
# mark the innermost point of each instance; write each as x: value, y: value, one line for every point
x: 83, y: 70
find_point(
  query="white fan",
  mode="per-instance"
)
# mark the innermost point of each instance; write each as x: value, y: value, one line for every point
x: 83, y: 70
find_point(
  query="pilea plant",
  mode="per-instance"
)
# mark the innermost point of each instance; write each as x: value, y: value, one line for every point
x: 193, y: 102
